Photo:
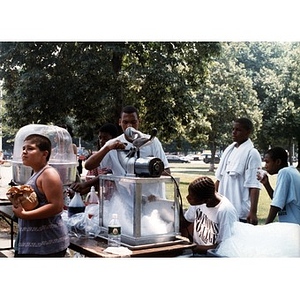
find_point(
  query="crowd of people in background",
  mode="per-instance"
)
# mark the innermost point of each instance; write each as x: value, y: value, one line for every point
x: 213, y: 206
x: 239, y: 182
x: 236, y: 190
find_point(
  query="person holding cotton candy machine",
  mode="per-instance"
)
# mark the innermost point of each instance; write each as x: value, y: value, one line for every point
x: 110, y: 153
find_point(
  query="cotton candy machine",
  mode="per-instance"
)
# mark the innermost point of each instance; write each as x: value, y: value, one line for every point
x: 131, y: 161
x: 147, y: 208
x: 146, y: 202
x: 62, y: 156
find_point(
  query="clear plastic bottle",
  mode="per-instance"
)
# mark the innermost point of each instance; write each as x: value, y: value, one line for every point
x: 114, y: 232
x: 260, y: 173
x: 76, y: 205
x: 92, y: 227
x: 67, y: 201
x: 92, y: 203
x: 92, y: 197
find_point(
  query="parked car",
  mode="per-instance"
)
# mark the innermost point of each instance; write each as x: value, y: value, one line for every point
x: 192, y: 157
x: 207, y: 158
x: 176, y: 159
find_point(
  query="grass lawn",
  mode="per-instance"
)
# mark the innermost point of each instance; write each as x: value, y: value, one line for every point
x: 188, y: 172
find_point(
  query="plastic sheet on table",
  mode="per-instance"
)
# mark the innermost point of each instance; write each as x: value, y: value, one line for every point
x: 271, y: 240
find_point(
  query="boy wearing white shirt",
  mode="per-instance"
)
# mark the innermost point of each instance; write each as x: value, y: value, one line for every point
x: 236, y: 174
x: 211, y: 214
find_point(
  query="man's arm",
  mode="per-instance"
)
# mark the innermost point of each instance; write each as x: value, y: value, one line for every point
x: 254, y: 162
x: 252, y: 216
x: 272, y: 214
x: 265, y: 181
x: 84, y: 187
x: 94, y: 160
x: 217, y: 185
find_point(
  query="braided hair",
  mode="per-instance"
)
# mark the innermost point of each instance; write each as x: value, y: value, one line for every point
x: 202, y: 188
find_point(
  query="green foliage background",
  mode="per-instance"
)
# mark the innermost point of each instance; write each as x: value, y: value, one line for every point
x: 190, y: 91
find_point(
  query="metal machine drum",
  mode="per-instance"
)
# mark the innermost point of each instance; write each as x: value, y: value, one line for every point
x: 62, y: 158
x: 149, y: 167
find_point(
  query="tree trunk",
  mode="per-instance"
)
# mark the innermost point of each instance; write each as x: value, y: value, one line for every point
x: 298, y: 151
x: 291, y: 152
x: 119, y: 99
x: 213, y: 154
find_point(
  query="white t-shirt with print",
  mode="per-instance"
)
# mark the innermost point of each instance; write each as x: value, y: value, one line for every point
x: 212, y: 225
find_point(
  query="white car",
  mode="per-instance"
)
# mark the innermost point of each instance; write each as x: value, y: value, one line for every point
x: 176, y: 159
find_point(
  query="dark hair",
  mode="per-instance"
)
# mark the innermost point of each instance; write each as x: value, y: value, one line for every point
x: 202, y: 187
x: 41, y: 141
x: 129, y: 109
x: 110, y: 129
x: 278, y: 153
x: 245, y: 122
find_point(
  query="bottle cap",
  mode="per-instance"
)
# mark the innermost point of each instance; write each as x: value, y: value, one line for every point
x: 115, y: 216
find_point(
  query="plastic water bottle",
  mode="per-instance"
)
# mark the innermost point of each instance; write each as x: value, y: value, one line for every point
x: 92, y: 197
x: 114, y: 232
x: 67, y: 201
x: 92, y: 228
x: 92, y: 202
x: 260, y: 174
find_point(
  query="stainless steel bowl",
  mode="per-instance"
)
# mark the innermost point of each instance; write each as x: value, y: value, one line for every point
x: 67, y: 172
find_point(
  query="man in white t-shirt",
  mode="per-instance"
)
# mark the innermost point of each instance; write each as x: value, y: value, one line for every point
x: 211, y: 214
x: 129, y: 118
x: 108, y: 155
x: 236, y: 173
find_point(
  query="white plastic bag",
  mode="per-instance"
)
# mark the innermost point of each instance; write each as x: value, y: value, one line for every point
x: 76, y: 224
x: 271, y: 240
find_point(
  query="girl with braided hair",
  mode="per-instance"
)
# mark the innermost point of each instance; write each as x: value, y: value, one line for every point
x: 210, y: 216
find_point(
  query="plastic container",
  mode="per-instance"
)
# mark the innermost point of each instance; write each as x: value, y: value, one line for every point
x: 261, y: 173
x: 62, y: 157
x: 67, y: 201
x: 114, y: 232
x: 145, y: 219
x: 92, y: 197
x: 92, y: 204
x: 76, y: 205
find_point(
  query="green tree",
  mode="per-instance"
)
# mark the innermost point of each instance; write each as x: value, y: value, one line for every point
x: 226, y: 94
x: 287, y: 122
x: 88, y: 83
x: 274, y: 69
